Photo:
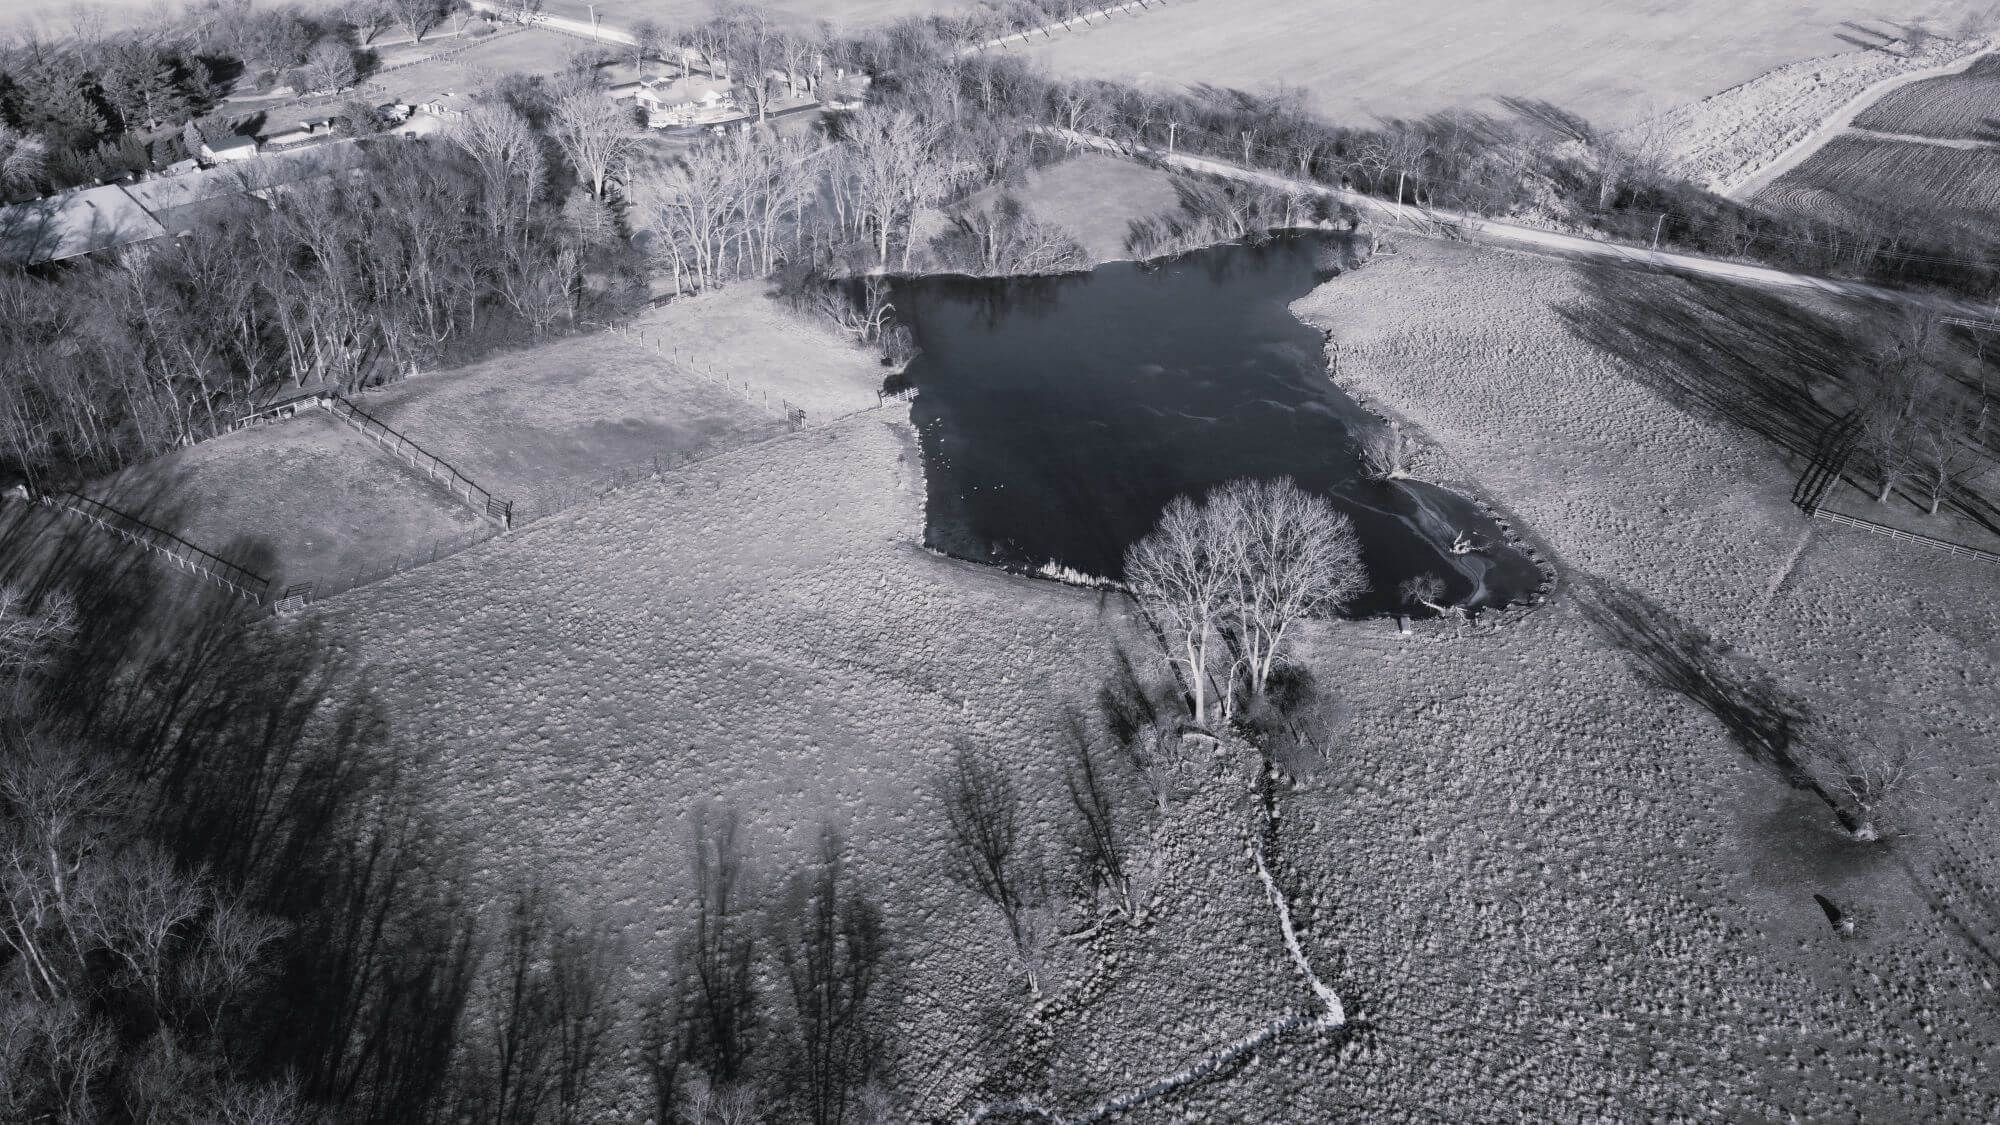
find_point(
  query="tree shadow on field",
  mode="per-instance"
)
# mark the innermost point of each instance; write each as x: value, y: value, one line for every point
x: 1764, y: 721
x: 1720, y: 352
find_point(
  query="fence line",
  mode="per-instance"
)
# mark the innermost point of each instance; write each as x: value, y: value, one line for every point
x: 793, y: 413
x: 440, y: 472
x: 243, y: 583
x: 1898, y: 535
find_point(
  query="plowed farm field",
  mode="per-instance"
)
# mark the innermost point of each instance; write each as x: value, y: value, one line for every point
x: 1855, y: 175
x: 1959, y: 107
x: 1613, y: 62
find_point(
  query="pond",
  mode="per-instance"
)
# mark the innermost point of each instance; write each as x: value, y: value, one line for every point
x: 1059, y: 415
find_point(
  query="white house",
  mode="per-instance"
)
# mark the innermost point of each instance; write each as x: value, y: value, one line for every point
x: 685, y: 101
x: 222, y: 150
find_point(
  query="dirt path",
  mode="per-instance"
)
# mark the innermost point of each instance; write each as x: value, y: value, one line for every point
x: 1842, y: 122
x: 1456, y: 226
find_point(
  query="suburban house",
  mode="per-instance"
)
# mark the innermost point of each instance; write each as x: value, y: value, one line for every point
x: 225, y: 149
x: 680, y: 101
x: 116, y: 217
x: 72, y: 224
x: 448, y: 104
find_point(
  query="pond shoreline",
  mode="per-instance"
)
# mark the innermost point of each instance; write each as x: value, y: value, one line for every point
x: 1440, y: 468
x: 1058, y: 413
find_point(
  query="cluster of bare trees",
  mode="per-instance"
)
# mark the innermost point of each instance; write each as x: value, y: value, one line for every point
x: 1225, y: 212
x: 1228, y: 579
x: 728, y: 208
x: 124, y: 971
x: 1926, y: 414
x: 428, y: 246
x: 1116, y: 788
x: 723, y: 1047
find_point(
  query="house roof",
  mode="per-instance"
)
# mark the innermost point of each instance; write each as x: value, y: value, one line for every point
x: 73, y: 224
x: 682, y: 91
x: 230, y: 144
x: 173, y: 192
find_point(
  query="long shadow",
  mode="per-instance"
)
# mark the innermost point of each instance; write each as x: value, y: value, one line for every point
x: 249, y: 752
x: 1722, y: 352
x: 1761, y: 718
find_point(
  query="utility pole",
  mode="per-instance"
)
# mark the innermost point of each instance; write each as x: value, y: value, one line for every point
x: 1657, y: 228
x: 1171, y: 126
x: 593, y: 20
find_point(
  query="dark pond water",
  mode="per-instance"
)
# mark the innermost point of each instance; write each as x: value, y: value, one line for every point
x: 1058, y: 416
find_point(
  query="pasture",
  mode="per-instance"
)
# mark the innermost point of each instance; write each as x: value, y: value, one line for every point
x: 524, y: 51
x: 1960, y: 107
x: 1614, y: 63
x: 1857, y: 175
x: 845, y: 15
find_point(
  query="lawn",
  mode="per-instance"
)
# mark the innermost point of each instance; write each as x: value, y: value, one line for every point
x: 545, y: 425
x: 1614, y: 63
x: 512, y: 51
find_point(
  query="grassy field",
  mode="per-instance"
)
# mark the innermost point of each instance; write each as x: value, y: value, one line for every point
x: 1095, y: 198
x: 308, y: 500
x: 848, y: 15
x: 523, y: 51
x: 546, y: 425
x: 1614, y: 63
x: 1867, y: 175
x: 1957, y: 107
x: 1547, y: 860
x: 1584, y: 876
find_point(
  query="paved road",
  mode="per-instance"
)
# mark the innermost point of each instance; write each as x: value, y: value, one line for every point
x: 1455, y: 225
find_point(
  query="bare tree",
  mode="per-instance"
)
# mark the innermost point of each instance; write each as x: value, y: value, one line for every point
x: 831, y: 942
x: 30, y: 635
x: 648, y: 40
x: 371, y: 18
x: 1876, y: 782
x: 1004, y: 240
x: 1424, y: 590
x: 1185, y: 574
x: 719, y: 995
x: 1947, y: 445
x: 896, y: 170
x: 1385, y: 454
x: 1100, y: 832
x: 982, y: 817
x: 508, y: 154
x: 1298, y: 558
x: 329, y: 66
x: 598, y: 135
x: 416, y: 16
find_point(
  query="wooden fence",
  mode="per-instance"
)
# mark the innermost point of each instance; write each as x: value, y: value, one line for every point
x: 178, y: 551
x: 440, y: 472
x: 1897, y: 534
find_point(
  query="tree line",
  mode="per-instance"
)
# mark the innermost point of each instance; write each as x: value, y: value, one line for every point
x: 221, y: 901
x: 421, y: 251
x: 1529, y: 158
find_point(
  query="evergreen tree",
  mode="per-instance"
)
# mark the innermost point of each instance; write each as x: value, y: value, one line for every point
x: 61, y: 101
x: 148, y: 88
